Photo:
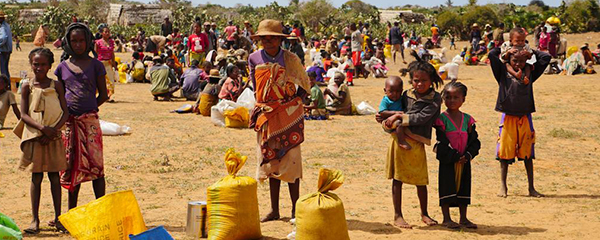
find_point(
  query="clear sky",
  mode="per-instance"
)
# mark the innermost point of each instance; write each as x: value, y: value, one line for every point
x: 378, y: 3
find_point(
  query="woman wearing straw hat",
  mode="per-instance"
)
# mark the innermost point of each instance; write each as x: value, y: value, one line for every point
x: 278, y: 115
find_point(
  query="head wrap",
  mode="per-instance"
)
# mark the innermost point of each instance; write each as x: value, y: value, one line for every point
x: 88, y: 38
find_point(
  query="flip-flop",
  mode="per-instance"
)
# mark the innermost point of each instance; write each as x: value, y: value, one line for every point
x: 61, y: 228
x: 31, y: 231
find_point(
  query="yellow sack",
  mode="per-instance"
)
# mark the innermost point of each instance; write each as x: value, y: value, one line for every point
x: 321, y: 215
x: 113, y: 216
x: 122, y: 72
x: 571, y: 50
x: 237, y: 118
x: 233, y: 204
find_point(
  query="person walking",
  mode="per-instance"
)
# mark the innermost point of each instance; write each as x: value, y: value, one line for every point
x: 5, y: 44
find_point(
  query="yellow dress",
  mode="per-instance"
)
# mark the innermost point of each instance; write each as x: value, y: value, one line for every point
x: 44, y: 108
x: 407, y: 166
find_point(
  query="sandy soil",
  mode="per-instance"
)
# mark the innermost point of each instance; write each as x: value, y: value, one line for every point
x: 566, y: 168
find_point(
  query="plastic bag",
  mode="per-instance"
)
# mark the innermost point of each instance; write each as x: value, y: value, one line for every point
x: 237, y: 118
x: 233, y: 203
x: 9, y: 229
x: 365, y: 109
x: 128, y: 78
x: 246, y: 99
x: 113, y: 216
x: 122, y: 72
x: 217, y: 112
x: 113, y: 129
x: 321, y: 215
x: 157, y: 233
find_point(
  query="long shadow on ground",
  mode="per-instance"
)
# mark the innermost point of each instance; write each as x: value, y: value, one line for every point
x: 372, y: 227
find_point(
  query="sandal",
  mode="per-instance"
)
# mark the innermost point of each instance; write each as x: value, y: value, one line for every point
x: 32, y: 231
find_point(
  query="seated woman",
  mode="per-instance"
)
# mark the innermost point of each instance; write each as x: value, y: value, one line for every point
x: 340, y: 100
x: 233, y: 86
x: 316, y: 108
x: 164, y: 82
x: 209, y: 96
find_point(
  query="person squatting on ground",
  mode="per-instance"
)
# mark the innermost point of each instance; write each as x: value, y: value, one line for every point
x: 515, y: 102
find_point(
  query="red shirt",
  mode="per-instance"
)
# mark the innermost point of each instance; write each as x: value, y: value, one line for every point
x: 297, y: 32
x: 198, y: 43
x: 176, y: 39
x: 230, y: 30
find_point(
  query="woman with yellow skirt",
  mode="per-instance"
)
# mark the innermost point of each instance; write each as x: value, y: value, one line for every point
x: 105, y: 47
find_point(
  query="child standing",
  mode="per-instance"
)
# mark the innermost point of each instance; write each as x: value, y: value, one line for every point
x: 515, y: 102
x: 457, y: 145
x: 18, y: 43
x: 84, y: 82
x: 7, y: 100
x: 422, y: 104
x: 44, y: 111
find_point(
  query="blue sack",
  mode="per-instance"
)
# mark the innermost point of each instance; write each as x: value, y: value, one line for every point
x: 157, y: 233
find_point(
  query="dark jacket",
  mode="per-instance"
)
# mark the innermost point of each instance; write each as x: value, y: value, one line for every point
x: 448, y: 155
x: 514, y: 97
x: 420, y: 114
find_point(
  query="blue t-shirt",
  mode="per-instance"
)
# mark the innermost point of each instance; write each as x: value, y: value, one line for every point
x: 389, y: 105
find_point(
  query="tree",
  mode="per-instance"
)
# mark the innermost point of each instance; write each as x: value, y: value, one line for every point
x: 449, y: 21
x: 472, y: 2
x: 449, y: 3
x: 314, y: 12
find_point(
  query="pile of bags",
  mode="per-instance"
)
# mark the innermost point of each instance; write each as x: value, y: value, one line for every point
x: 234, y: 114
x: 233, y: 203
x: 320, y: 215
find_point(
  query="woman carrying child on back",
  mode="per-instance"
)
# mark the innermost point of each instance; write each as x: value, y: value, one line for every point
x: 44, y: 113
x: 457, y: 145
x: 421, y: 106
x: 82, y: 77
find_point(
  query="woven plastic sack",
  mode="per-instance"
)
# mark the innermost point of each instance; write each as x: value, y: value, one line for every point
x: 233, y: 204
x: 364, y: 108
x: 113, y: 216
x: 237, y: 118
x: 9, y: 229
x: 320, y: 215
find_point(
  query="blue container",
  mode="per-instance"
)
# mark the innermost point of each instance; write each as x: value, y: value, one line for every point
x: 157, y: 233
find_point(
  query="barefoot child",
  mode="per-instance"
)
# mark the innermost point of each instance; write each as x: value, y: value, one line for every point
x: 422, y: 104
x: 457, y: 145
x: 7, y: 100
x: 44, y: 111
x: 84, y: 81
x: 391, y: 105
x: 515, y: 102
x: 516, y: 43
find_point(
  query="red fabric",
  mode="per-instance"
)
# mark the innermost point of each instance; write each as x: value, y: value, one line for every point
x: 356, y: 58
x: 202, y: 39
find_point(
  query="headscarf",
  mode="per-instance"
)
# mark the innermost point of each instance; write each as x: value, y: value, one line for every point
x: 88, y: 38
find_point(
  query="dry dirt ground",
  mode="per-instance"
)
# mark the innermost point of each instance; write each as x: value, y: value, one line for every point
x: 566, y: 168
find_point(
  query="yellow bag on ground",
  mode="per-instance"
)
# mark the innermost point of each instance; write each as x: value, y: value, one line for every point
x: 113, y: 216
x: 122, y: 72
x: 233, y: 204
x: 237, y: 118
x: 320, y: 215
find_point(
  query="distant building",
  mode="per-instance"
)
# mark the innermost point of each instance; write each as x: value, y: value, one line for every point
x: 407, y: 16
x: 131, y: 14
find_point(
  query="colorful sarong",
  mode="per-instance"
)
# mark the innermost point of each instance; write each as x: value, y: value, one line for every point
x: 83, y: 141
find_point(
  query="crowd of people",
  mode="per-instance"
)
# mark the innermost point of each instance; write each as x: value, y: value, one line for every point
x: 286, y: 71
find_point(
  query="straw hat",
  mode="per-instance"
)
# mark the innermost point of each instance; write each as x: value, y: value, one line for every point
x: 475, y: 25
x: 214, y: 73
x: 292, y: 37
x: 269, y: 27
x: 2, y: 14
x: 482, y: 42
x: 219, y: 58
x: 206, y: 23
